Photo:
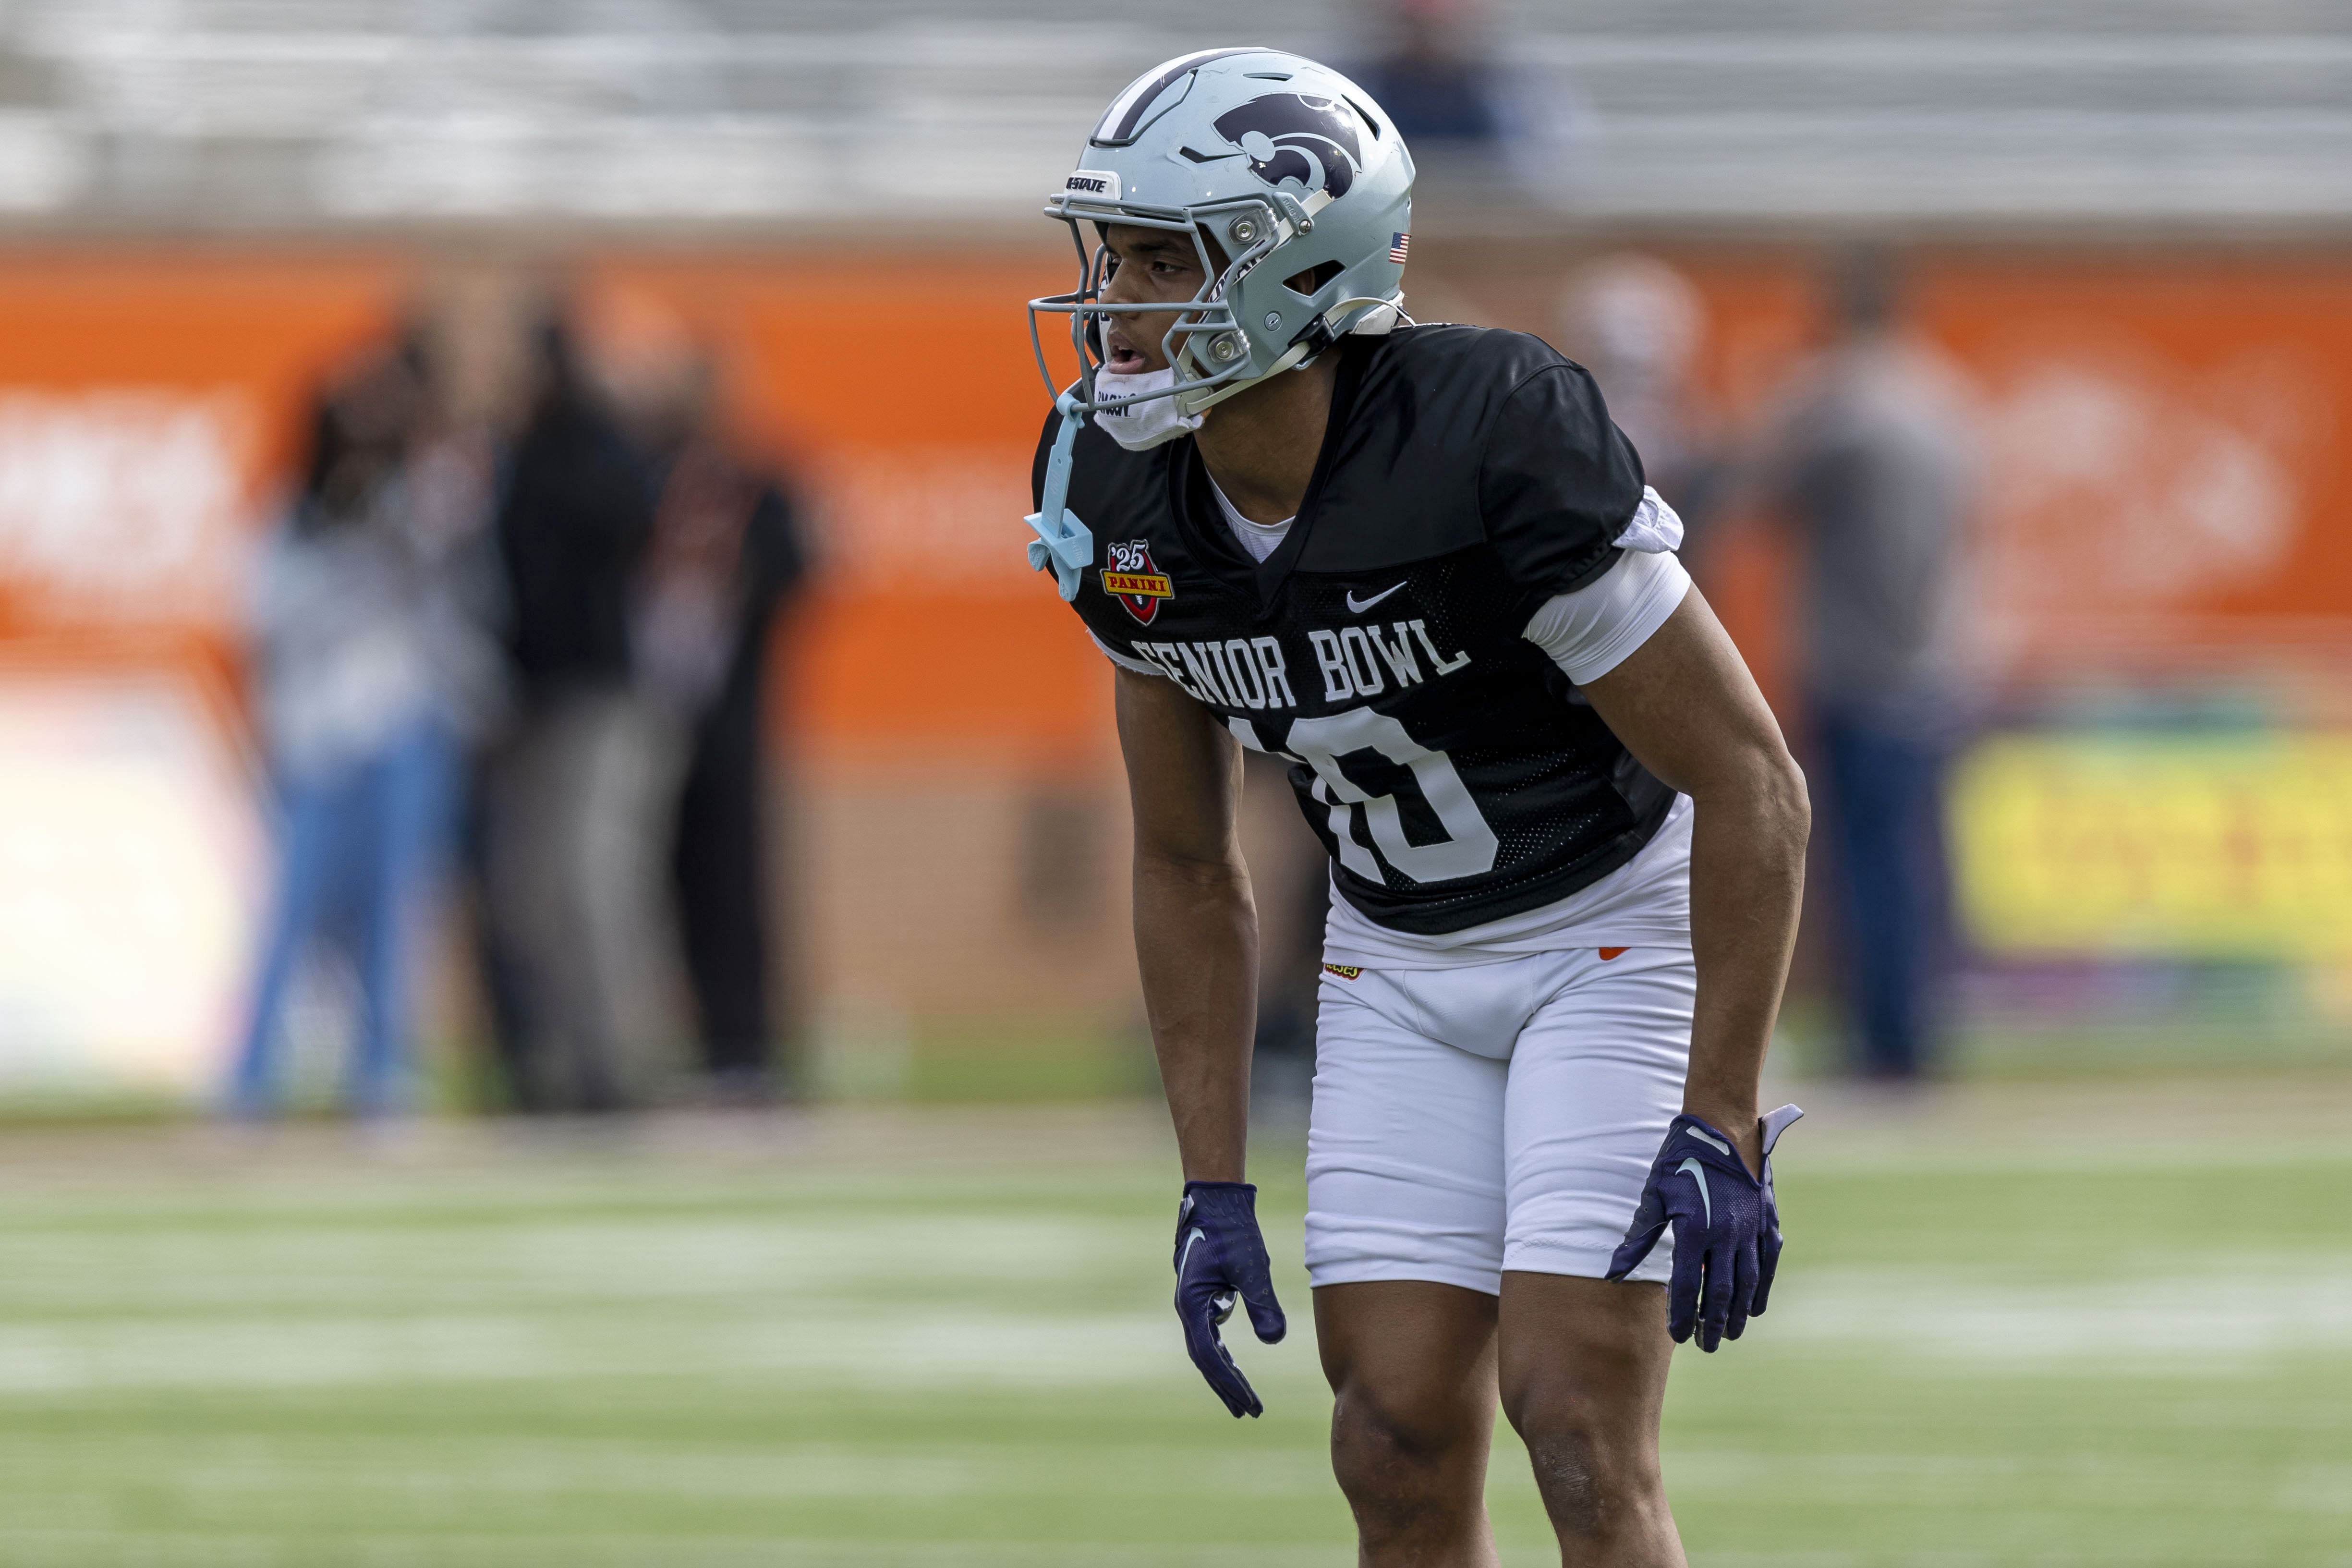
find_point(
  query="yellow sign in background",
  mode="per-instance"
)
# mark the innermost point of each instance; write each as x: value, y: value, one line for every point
x: 2223, y: 845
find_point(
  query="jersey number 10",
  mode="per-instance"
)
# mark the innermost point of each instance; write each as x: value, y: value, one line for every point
x: 1467, y: 849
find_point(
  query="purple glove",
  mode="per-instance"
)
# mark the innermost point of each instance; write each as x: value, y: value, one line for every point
x: 1221, y: 1257
x: 1726, y: 1228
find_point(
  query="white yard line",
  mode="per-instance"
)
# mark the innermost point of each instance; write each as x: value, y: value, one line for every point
x: 134, y: 1549
x: 2208, y: 1321
x: 939, y: 1350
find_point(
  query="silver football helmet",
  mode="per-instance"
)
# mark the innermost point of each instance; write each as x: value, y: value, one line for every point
x: 1276, y: 167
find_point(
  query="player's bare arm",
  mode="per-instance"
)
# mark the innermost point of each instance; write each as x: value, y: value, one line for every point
x: 1686, y: 707
x: 1196, y: 943
x: 1195, y: 927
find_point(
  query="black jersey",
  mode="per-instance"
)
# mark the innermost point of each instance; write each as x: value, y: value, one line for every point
x: 1467, y: 475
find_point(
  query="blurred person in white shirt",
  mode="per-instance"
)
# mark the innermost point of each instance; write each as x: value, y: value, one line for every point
x: 367, y: 670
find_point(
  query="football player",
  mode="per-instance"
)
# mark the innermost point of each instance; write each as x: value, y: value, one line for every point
x: 1419, y: 562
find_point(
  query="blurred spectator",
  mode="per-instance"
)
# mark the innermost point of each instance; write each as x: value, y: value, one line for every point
x: 726, y: 552
x: 579, y: 775
x: 1637, y: 325
x: 1870, y: 460
x: 1436, y: 79
x: 366, y: 676
x: 1478, y: 121
x: 484, y: 382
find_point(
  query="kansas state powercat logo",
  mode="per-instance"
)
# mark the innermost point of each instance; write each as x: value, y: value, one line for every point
x: 1136, y: 582
x: 1289, y: 136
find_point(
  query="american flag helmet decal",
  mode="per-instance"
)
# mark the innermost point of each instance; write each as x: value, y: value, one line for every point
x: 1397, y: 244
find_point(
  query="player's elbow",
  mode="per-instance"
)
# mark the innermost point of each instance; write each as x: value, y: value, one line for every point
x: 1194, y: 874
x: 1779, y: 795
x: 1759, y: 781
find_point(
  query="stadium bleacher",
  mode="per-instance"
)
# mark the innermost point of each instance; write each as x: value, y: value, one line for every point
x: 289, y: 115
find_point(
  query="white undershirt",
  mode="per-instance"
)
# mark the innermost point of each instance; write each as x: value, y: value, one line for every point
x: 1260, y: 538
x: 1588, y: 633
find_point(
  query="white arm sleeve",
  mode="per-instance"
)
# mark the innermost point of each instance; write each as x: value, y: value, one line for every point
x: 1593, y: 630
x: 1126, y: 660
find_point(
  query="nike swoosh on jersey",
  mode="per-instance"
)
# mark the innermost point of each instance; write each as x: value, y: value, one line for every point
x: 1698, y: 1174
x: 1358, y: 606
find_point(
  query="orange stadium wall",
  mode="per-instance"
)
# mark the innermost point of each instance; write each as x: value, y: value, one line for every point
x: 2168, y: 490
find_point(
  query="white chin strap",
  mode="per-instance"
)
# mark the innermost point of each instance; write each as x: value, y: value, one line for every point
x: 1377, y: 320
x: 1199, y: 403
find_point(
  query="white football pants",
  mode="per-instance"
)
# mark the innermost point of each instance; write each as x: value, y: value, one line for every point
x: 1496, y: 1116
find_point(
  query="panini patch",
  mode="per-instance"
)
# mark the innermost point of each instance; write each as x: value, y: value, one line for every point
x: 1135, y: 580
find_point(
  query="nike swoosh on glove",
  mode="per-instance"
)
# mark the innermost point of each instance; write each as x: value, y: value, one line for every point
x: 1726, y: 1228
x: 1221, y: 1258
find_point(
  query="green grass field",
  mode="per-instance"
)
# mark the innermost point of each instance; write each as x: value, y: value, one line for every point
x: 2028, y: 1324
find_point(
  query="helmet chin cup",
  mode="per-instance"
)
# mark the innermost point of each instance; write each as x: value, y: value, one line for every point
x: 1276, y: 169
